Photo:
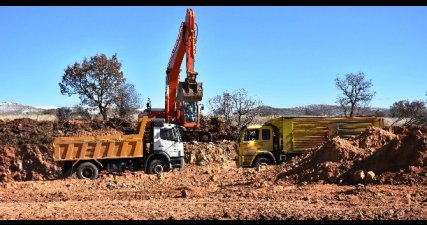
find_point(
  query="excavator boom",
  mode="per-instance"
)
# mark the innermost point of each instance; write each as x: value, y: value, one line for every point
x: 181, y: 97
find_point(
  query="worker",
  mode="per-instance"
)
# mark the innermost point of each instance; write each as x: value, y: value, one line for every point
x: 191, y: 117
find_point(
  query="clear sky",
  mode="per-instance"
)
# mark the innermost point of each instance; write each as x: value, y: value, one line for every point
x: 285, y: 56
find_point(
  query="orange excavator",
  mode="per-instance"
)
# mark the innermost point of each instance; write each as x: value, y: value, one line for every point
x: 182, y: 97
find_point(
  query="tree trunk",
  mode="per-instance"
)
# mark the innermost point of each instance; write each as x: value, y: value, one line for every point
x: 239, y: 119
x: 103, y: 112
x: 351, y: 110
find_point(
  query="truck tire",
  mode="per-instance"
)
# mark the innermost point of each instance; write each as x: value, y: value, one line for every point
x: 87, y: 170
x: 262, y: 161
x: 157, y: 166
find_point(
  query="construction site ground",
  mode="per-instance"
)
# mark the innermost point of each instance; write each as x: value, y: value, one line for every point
x: 329, y: 182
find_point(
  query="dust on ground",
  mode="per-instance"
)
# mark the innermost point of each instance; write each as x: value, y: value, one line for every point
x: 329, y: 182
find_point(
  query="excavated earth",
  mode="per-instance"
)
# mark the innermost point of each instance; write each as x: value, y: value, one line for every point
x: 333, y: 181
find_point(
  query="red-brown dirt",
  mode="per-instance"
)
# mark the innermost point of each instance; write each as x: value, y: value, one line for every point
x: 317, y: 185
x: 394, y: 159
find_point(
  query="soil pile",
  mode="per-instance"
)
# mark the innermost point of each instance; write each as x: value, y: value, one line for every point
x: 375, y: 137
x: 201, y: 153
x: 25, y: 145
x: 326, y: 163
x: 219, y: 130
x: 403, y: 160
x: 387, y: 157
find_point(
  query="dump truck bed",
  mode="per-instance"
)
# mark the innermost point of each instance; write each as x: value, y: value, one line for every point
x: 302, y: 133
x: 100, y: 147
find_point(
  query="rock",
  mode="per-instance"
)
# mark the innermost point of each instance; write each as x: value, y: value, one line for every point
x: 184, y: 193
x: 370, y: 176
x: 111, y: 186
x: 160, y: 176
x: 358, y: 175
x: 261, y: 168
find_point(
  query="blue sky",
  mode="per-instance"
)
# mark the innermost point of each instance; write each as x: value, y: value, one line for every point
x: 284, y: 56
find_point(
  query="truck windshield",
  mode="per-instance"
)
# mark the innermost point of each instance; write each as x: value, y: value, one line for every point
x: 170, y: 134
x: 177, y: 134
x: 251, y: 135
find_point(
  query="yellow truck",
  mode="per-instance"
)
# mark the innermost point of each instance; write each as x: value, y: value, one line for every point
x: 156, y: 148
x: 278, y: 138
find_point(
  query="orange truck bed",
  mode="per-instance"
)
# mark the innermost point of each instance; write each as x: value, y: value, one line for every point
x: 100, y: 147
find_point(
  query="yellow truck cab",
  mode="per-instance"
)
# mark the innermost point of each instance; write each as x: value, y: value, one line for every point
x: 256, y: 141
x: 271, y: 142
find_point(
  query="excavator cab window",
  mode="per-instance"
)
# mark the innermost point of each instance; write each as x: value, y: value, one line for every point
x: 190, y: 112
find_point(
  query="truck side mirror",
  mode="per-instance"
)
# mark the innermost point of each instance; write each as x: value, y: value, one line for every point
x: 202, y: 107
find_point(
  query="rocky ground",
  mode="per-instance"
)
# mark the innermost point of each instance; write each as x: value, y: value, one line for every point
x: 380, y: 175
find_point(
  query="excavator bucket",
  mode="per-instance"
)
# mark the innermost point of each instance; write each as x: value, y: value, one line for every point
x: 190, y: 91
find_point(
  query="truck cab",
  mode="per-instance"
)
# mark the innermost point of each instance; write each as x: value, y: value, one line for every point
x: 257, y: 145
x: 167, y: 147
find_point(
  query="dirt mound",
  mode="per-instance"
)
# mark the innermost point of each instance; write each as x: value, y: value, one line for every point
x: 28, y: 162
x: 326, y: 163
x: 388, y: 158
x: 402, y: 160
x: 201, y: 153
x: 25, y: 145
x: 219, y: 130
x: 375, y: 137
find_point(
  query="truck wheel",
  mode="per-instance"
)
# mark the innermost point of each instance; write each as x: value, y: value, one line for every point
x: 157, y: 166
x: 87, y: 170
x: 262, y: 161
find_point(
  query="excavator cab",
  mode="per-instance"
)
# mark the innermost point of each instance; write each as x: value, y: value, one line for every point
x: 189, y: 97
x: 190, y: 111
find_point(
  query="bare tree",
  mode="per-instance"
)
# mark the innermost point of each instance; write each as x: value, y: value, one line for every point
x: 79, y: 111
x: 222, y: 106
x: 63, y: 113
x: 97, y: 81
x: 245, y: 107
x: 355, y: 92
x: 238, y: 105
x: 129, y: 100
x: 415, y: 112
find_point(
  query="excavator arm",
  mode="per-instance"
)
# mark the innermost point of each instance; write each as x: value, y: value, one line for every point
x: 182, y: 97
